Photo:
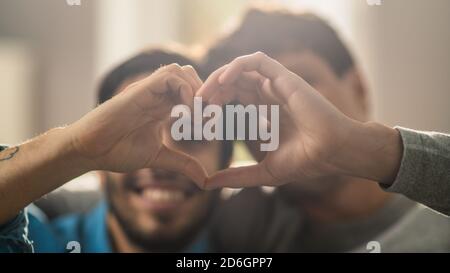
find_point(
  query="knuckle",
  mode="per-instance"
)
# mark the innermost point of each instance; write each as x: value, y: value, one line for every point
x: 239, y: 59
x: 260, y: 54
x: 174, y: 67
x: 188, y: 67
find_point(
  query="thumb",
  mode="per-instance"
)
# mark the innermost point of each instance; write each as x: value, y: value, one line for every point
x: 241, y: 177
x: 176, y: 161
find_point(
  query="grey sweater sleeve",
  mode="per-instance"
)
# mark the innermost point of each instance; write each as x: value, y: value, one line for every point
x: 424, y: 174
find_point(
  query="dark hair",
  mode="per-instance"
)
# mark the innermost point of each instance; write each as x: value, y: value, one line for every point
x: 143, y: 63
x: 277, y: 31
x: 146, y: 63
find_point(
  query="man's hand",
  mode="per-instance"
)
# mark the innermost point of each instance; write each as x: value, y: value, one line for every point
x: 125, y: 133
x: 316, y: 139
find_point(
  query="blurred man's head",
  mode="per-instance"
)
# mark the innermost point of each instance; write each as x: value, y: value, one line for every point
x: 309, y: 47
x: 306, y: 45
x: 153, y: 209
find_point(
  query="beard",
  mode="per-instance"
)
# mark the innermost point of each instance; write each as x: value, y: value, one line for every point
x: 158, y: 242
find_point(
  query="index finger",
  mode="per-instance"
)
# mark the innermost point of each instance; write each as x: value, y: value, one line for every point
x: 258, y: 62
x: 211, y: 85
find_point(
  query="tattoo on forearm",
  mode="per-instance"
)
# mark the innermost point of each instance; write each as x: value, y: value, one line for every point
x: 9, y: 153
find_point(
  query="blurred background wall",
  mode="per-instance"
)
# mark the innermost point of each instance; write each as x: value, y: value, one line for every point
x: 55, y: 52
x: 52, y: 55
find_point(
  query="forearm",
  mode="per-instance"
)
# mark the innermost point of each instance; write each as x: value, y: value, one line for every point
x: 35, y: 168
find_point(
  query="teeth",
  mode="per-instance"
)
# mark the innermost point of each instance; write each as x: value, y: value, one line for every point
x: 159, y: 195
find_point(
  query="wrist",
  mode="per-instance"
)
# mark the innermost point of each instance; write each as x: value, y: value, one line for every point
x: 374, y: 151
x: 67, y: 151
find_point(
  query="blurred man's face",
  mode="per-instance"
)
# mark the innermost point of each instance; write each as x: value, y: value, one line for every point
x: 158, y: 210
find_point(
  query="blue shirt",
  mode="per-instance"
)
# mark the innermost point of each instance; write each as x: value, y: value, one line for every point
x: 85, y: 233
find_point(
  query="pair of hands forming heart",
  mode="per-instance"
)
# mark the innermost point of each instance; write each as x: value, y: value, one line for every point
x: 124, y: 134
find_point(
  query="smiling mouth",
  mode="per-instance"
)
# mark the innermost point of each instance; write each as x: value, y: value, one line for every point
x: 163, y: 195
x: 160, y: 198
